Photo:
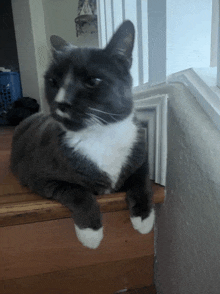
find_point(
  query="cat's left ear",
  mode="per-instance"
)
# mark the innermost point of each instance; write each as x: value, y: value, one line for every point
x: 122, y: 42
x: 60, y: 45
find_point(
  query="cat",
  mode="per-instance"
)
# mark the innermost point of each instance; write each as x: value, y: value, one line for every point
x: 90, y: 143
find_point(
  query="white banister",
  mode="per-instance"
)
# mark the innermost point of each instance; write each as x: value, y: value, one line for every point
x: 109, y: 19
x: 157, y: 41
x: 112, y: 14
x: 214, y: 33
x: 101, y: 23
x: 123, y: 10
x: 140, y: 42
x: 215, y: 39
x: 218, y: 45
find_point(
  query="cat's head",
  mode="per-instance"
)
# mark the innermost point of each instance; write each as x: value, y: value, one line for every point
x: 88, y: 86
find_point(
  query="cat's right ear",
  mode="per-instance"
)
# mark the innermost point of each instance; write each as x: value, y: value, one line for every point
x: 59, y: 45
x: 122, y: 42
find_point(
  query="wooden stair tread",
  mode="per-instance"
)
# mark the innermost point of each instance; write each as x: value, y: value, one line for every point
x: 41, y: 255
x: 19, y: 205
x: 30, y: 244
x: 107, y: 278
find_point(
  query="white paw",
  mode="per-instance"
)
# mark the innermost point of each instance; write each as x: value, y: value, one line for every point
x: 145, y: 226
x: 89, y: 237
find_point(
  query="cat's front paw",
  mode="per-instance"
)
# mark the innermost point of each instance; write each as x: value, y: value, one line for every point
x: 89, y: 237
x: 143, y: 226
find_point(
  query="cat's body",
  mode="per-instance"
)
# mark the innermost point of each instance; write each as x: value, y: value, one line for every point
x: 90, y: 143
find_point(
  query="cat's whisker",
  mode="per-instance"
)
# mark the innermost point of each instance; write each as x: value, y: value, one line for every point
x: 111, y: 115
x: 98, y: 110
x: 101, y: 120
x: 113, y: 118
x: 93, y: 119
x: 98, y: 118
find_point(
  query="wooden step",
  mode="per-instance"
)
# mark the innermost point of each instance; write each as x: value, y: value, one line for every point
x: 40, y: 252
x: 19, y: 205
x: 44, y: 256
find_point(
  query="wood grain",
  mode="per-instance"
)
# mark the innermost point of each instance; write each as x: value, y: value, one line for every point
x: 29, y: 207
x: 105, y: 278
x: 51, y: 246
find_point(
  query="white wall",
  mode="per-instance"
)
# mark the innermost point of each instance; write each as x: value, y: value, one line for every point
x: 59, y: 19
x: 187, y: 225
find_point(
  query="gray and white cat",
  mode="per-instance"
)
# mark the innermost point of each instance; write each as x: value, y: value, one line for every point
x: 89, y: 144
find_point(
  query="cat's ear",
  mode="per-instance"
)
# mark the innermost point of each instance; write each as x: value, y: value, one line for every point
x: 122, y: 42
x: 60, y: 45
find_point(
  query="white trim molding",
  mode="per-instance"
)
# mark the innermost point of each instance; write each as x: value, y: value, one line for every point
x: 152, y: 112
x: 208, y: 96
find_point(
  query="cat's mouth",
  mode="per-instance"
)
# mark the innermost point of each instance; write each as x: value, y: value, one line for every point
x: 63, y: 113
x: 66, y: 111
x: 75, y: 119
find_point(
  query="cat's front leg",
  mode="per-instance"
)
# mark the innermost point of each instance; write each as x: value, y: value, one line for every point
x: 139, y: 197
x: 82, y: 204
x: 87, y: 219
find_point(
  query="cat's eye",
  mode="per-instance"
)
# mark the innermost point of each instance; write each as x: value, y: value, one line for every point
x: 53, y: 83
x: 92, y: 82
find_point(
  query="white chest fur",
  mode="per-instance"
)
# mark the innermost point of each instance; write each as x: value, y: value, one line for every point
x: 107, y: 146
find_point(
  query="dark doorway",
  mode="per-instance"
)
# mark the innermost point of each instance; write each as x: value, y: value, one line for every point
x: 8, y: 47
